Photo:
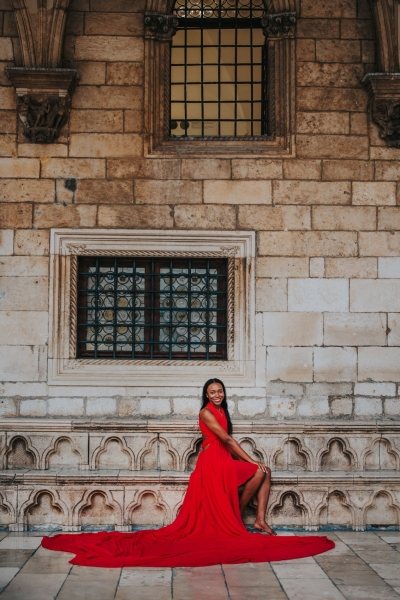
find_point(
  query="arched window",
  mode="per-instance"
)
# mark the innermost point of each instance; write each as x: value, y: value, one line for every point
x: 218, y: 79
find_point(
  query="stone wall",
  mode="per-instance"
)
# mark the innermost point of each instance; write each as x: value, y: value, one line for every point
x: 326, y: 216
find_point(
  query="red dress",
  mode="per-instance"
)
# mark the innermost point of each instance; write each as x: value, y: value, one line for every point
x: 207, y: 531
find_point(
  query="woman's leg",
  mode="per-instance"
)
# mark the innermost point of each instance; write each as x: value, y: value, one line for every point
x: 259, y: 485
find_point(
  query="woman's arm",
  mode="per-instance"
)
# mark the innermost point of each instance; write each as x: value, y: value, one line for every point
x: 208, y: 418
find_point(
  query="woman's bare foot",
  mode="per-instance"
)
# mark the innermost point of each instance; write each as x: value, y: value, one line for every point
x: 263, y: 526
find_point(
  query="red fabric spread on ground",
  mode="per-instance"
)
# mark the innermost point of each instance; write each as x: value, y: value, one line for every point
x: 208, y: 530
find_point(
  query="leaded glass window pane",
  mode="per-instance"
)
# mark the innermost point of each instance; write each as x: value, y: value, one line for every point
x: 152, y: 308
x: 218, y: 70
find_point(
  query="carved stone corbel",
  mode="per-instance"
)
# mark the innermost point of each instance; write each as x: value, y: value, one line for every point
x: 384, y: 104
x: 278, y: 25
x: 160, y: 26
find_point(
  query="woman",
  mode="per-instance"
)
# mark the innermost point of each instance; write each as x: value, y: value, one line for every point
x: 209, y: 528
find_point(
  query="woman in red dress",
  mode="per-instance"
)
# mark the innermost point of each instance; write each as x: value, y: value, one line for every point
x: 209, y: 528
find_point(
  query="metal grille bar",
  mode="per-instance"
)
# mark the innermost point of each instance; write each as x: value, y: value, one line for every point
x: 149, y: 308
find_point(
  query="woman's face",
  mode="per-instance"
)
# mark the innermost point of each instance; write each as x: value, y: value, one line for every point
x: 215, y: 393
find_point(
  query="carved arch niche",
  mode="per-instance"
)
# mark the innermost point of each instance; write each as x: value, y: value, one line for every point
x: 278, y: 27
x: 336, y: 512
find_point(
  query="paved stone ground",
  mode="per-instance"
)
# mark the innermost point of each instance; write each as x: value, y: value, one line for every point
x: 363, y: 566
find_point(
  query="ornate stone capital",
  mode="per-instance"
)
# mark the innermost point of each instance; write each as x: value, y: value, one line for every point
x: 384, y: 104
x: 278, y: 25
x: 160, y: 26
x: 44, y: 99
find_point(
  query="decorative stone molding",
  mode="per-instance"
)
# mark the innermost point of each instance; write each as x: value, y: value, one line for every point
x: 160, y: 26
x: 384, y: 104
x: 67, y: 245
x: 386, y: 15
x: 280, y: 25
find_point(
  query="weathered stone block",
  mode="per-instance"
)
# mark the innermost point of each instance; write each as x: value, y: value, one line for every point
x: 282, y: 267
x: 394, y: 329
x: 124, y: 73
x: 313, y: 407
x: 378, y: 364
x: 24, y: 266
x: 57, y: 215
x: 351, y: 267
x: 7, y: 121
x: 338, y: 51
x: 31, y: 242
x: 375, y: 295
x: 389, y: 218
x: 323, y: 122
x: 205, y: 217
x: 317, y: 267
x: 137, y: 217
x: 311, y: 192
x: 100, y: 121
x: 104, y: 192
x: 116, y: 6
x: 237, y: 192
x: 305, y: 50
x: 318, y: 28
x: 367, y: 407
x: 309, y: 243
x: 33, y: 408
x: 347, y: 169
x: 389, y: 268
x: 155, y: 406
x: 374, y: 193
x: 335, y: 364
x: 91, y: 73
x: 101, y: 407
x: 18, y: 216
x: 343, y: 218
x: 187, y: 407
x: 8, y: 145
x: 109, y: 48
x: 7, y: 408
x: 332, y: 146
x: 341, y: 406
x: 24, y: 390
x: 364, y: 329
x: 108, y: 97
x: 7, y: 96
x: 330, y: 75
x: 324, y: 98
x: 19, y: 363
x: 100, y: 145
x: 113, y: 24
x: 20, y: 167
x: 168, y: 192
x: 6, y: 242
x: 26, y: 190
x: 268, y: 218
x: 290, y: 364
x: 24, y: 293
x: 211, y: 168
x: 133, y: 121
x: 302, y: 169
x: 65, y: 407
x: 271, y: 294
x: 379, y: 244
x: 345, y: 9
x: 250, y: 407
x: 293, y: 329
x: 282, y: 407
x: 357, y: 28
x: 358, y: 124
x: 387, y: 170
x: 375, y: 389
x: 256, y: 168
x: 142, y: 168
x: 74, y: 168
x: 318, y: 295
x: 392, y: 406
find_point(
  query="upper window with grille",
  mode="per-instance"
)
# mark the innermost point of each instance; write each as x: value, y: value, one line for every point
x: 218, y: 79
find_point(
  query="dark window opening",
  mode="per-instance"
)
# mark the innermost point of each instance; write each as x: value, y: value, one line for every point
x: 152, y: 308
x: 219, y: 70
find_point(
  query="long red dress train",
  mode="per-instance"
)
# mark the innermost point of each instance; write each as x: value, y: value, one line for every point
x: 208, y: 530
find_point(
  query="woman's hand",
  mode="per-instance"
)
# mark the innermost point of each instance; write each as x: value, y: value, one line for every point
x: 261, y: 466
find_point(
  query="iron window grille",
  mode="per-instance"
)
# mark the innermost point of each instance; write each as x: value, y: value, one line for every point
x: 152, y: 308
x: 218, y: 77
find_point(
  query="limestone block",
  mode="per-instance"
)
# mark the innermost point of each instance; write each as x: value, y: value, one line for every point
x: 293, y: 329
x: 271, y: 294
x: 6, y: 242
x: 335, y: 364
x: 20, y: 167
x: 313, y: 407
x: 344, y: 218
x: 138, y: 217
x: 143, y: 168
x: 18, y: 216
x: 284, y: 389
x: 311, y: 192
x: 389, y: 218
x: 389, y: 268
x: 24, y: 266
x: 325, y: 98
x: 256, y: 168
x: 187, y: 407
x: 351, y: 267
x: 7, y: 145
x: 379, y: 243
x: 333, y: 146
x: 104, y: 192
x: 387, y: 170
x: 394, y: 329
x: 321, y: 122
x: 113, y: 24
x: 91, y: 73
x: 7, y: 96
x: 282, y: 267
x: 327, y: 74
x: 392, y: 407
x: 124, y: 73
x: 26, y: 190
x: 341, y: 406
x: 205, y: 217
x: 367, y: 407
x: 364, y: 329
x: 43, y: 151
x: 328, y: 389
x: 23, y: 389
x: 308, y: 243
x: 46, y: 216
x: 290, y: 364
x: 250, y: 407
x: 345, y: 9
x: 168, y: 192
x: 237, y: 192
x: 28, y: 243
x: 280, y: 407
x: 23, y: 328
x: 340, y: 51
x: 101, y: 407
x: 109, y: 48
x: 8, y: 407
x: 7, y: 121
x: 99, y: 145
x: 100, y: 121
x: 155, y: 406
x: 133, y: 121
x: 318, y: 28
x: 302, y: 169
x: 211, y: 168
x: 33, y: 408
x: 305, y: 50
x: 74, y: 168
x: 317, y: 267
x: 374, y: 295
x: 19, y: 363
x: 65, y: 407
x: 379, y: 364
x: 361, y: 170
x: 375, y: 389
x: 374, y: 193
x: 318, y: 295
x: 24, y: 293
x: 274, y: 217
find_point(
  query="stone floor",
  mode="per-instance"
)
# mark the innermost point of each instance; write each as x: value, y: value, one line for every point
x: 363, y: 566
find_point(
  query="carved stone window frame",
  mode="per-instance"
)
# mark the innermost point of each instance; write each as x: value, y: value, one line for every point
x: 278, y: 27
x: 68, y: 244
